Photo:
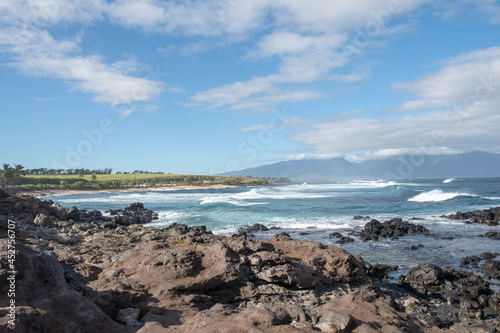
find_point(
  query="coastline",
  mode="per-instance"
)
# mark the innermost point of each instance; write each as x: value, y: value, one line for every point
x: 115, y: 274
x: 38, y: 193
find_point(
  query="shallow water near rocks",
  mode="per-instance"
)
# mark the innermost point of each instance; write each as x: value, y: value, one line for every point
x: 313, y: 211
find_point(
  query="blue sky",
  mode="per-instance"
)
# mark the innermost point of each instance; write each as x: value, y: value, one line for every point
x: 214, y: 86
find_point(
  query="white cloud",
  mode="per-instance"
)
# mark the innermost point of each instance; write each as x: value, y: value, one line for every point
x: 25, y: 39
x: 44, y: 13
x: 36, y: 53
x: 284, y: 43
x: 464, y: 77
x: 312, y: 41
x: 197, y: 17
x: 455, y: 9
x: 285, y: 123
x: 309, y: 39
x: 309, y: 156
x: 466, y: 93
x: 145, y: 14
x: 429, y: 133
x: 235, y: 92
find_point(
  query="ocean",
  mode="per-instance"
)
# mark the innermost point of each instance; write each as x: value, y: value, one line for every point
x: 313, y: 211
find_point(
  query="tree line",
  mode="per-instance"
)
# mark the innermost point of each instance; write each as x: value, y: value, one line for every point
x: 82, y: 171
x: 11, y: 175
x: 45, y: 171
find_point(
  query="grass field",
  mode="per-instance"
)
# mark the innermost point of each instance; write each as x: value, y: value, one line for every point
x: 111, y: 177
x: 103, y: 181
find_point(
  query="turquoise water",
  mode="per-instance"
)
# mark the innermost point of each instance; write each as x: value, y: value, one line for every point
x: 312, y: 211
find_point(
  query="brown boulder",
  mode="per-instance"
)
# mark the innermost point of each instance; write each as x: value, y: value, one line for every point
x: 45, y: 301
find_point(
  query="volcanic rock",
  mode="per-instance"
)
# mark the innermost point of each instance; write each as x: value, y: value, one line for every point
x: 489, y: 216
x: 393, y: 228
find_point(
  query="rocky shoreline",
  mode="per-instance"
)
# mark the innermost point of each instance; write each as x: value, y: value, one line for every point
x: 84, y: 271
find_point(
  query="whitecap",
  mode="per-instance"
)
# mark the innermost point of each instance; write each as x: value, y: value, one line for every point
x: 210, y: 200
x: 449, y: 180
x: 438, y: 196
x: 374, y: 183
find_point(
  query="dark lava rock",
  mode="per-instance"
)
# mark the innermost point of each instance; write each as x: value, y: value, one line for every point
x: 488, y: 255
x: 380, y: 271
x: 133, y: 214
x: 359, y: 217
x: 414, y: 247
x: 494, y: 304
x: 450, y: 285
x: 73, y: 214
x: 489, y: 216
x: 466, y: 261
x: 423, y: 277
x: 492, y: 235
x: 175, y: 230
x: 248, y: 230
x: 335, y: 235
x: 344, y: 240
x: 491, y: 268
x: 394, y: 228
x: 470, y: 310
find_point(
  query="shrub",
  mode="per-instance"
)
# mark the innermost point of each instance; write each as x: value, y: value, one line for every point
x: 79, y: 185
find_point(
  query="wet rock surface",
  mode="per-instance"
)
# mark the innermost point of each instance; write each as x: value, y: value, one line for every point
x: 393, y: 228
x: 133, y: 214
x: 80, y: 271
x: 489, y: 216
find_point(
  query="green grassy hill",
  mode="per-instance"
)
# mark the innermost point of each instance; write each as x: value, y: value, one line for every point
x: 105, y: 181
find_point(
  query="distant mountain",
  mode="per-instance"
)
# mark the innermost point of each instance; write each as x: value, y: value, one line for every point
x: 475, y: 164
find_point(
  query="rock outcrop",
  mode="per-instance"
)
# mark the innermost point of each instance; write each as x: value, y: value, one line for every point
x: 489, y: 216
x: 393, y: 228
x: 80, y: 271
x: 133, y: 214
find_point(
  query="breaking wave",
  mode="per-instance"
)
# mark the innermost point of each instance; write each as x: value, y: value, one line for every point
x: 438, y: 196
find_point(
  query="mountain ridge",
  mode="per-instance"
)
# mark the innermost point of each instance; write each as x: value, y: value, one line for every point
x: 465, y: 165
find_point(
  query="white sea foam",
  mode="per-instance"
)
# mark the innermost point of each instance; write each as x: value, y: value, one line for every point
x: 372, y: 183
x: 341, y: 186
x: 326, y: 223
x: 449, y: 180
x: 229, y: 200
x: 437, y: 196
x: 144, y: 197
x: 275, y: 193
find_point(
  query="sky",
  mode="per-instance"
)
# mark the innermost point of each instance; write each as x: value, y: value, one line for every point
x: 206, y: 87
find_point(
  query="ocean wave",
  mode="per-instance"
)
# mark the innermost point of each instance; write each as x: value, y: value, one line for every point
x: 438, y: 196
x: 242, y: 198
x: 228, y: 200
x: 144, y: 197
x: 374, y: 183
x: 449, y: 180
x: 340, y: 186
x: 321, y: 223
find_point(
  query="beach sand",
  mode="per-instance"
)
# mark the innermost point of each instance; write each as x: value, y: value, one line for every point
x: 130, y: 189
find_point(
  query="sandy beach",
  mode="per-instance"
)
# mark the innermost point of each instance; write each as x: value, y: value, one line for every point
x: 130, y: 189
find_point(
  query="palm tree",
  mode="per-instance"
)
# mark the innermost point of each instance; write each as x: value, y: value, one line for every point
x: 10, y: 175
